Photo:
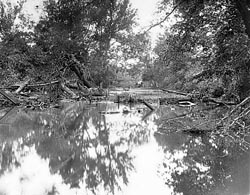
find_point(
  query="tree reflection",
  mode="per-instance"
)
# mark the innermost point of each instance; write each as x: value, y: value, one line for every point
x: 205, y: 164
x: 77, y: 141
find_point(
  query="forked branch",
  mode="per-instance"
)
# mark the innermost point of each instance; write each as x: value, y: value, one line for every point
x: 164, y: 19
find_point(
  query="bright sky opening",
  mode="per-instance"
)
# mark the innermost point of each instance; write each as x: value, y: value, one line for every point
x: 146, y: 16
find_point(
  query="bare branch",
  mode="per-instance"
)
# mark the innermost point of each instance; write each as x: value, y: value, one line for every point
x: 164, y: 19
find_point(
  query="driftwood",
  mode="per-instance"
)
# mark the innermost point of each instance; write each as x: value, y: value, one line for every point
x: 147, y: 115
x: 65, y: 88
x: 75, y: 67
x: 176, y: 92
x: 190, y: 97
x: 186, y: 103
x: 175, y: 100
x: 43, y: 84
x: 238, y: 111
x: 111, y: 112
x: 147, y: 104
x: 216, y: 101
x: 31, y: 86
x: 9, y: 97
x: 22, y: 85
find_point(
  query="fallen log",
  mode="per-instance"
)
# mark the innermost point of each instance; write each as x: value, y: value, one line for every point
x: 237, y: 109
x: 9, y: 97
x: 75, y: 67
x: 32, y: 85
x: 147, y: 104
x: 216, y: 101
x: 147, y: 115
x: 186, y: 103
x: 176, y: 92
x: 175, y: 100
x: 22, y: 85
x: 43, y: 84
x: 65, y: 88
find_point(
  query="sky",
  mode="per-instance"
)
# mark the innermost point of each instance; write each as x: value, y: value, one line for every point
x: 146, y: 15
x: 145, y: 8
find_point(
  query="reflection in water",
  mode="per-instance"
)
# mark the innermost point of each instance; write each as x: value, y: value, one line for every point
x: 146, y: 180
x: 32, y: 176
x: 101, y: 149
x: 205, y: 164
x: 79, y: 148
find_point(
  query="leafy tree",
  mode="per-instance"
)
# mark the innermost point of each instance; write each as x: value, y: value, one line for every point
x: 14, y: 48
x: 130, y: 55
x: 215, y: 35
x: 83, y: 29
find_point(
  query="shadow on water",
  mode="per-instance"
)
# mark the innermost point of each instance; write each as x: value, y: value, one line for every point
x: 106, y: 149
x: 207, y: 163
x: 89, y: 147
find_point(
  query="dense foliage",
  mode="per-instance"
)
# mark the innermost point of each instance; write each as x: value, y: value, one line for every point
x: 207, y: 47
x: 88, y: 34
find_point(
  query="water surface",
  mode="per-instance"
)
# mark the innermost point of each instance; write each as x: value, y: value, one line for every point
x: 116, y: 149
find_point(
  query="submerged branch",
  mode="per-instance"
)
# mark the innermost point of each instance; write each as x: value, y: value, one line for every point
x: 147, y: 104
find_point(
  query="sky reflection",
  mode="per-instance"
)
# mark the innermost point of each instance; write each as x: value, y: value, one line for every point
x: 33, y: 176
x: 103, y: 150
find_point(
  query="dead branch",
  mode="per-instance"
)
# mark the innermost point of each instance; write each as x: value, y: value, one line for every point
x: 22, y: 85
x: 164, y: 19
x: 244, y: 113
x: 219, y: 102
x: 147, y: 104
x: 75, y: 67
x: 9, y: 97
x: 44, y: 84
x: 176, y: 92
x: 65, y: 88
x: 245, y: 101
x: 147, y: 115
x: 32, y: 86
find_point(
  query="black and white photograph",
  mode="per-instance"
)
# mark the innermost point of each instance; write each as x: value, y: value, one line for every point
x: 124, y: 97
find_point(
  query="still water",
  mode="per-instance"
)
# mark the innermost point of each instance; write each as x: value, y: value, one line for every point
x: 116, y: 149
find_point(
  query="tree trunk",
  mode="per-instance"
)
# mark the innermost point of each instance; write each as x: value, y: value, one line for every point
x: 65, y: 88
x: 75, y: 67
x: 243, y: 7
x: 244, y: 83
x: 80, y: 75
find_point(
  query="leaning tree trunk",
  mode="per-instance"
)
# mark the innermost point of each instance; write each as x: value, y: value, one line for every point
x: 243, y: 7
x: 76, y: 68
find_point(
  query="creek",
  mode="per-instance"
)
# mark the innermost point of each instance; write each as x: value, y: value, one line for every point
x: 109, y: 148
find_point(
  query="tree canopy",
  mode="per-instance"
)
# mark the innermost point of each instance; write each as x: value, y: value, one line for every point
x: 76, y: 38
x: 207, y: 46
